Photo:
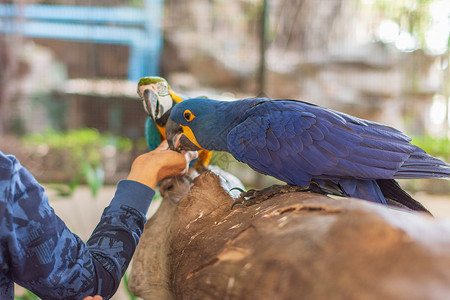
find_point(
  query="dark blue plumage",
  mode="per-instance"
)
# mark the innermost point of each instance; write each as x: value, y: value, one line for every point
x: 298, y: 142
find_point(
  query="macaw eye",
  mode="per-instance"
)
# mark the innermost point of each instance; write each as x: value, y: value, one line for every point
x: 188, y: 115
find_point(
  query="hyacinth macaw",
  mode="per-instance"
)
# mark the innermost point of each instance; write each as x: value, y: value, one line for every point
x: 303, y: 144
x: 158, y: 100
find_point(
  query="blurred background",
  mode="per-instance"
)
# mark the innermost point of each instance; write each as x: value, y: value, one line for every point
x: 69, y: 70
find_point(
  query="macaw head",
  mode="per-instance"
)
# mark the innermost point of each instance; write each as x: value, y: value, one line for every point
x: 189, y: 119
x: 156, y: 95
x: 201, y: 123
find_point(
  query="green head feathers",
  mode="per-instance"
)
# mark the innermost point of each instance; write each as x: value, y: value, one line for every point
x: 151, y: 80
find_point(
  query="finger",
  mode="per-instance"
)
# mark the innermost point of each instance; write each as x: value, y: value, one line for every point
x: 96, y: 297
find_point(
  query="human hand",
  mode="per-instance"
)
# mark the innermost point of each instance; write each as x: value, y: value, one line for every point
x: 152, y: 167
x: 96, y: 297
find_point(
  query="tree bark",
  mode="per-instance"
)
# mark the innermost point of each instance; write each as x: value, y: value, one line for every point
x: 291, y: 246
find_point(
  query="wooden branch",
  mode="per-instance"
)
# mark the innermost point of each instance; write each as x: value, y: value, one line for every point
x: 296, y: 245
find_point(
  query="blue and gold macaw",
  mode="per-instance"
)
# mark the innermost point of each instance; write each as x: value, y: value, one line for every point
x: 302, y: 143
x: 158, y: 100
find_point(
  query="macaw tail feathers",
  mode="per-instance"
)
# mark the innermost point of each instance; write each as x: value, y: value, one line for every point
x: 396, y: 196
x: 384, y: 191
x: 422, y: 165
x: 363, y: 189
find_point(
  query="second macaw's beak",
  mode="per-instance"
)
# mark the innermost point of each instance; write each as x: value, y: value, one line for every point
x: 151, y: 103
x: 176, y: 138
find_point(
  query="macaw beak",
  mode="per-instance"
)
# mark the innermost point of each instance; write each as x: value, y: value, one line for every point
x: 176, y: 138
x: 150, y: 100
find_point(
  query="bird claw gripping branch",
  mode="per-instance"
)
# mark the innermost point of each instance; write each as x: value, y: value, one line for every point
x: 251, y: 197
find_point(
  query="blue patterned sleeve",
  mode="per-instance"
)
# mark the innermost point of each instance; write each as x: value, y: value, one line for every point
x: 40, y: 253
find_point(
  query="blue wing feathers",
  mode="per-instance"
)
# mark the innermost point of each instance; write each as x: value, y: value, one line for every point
x: 323, y: 126
x: 296, y: 145
x: 316, y: 133
x: 264, y: 157
x: 289, y: 130
x: 386, y: 146
x: 276, y: 162
x: 298, y: 142
x: 317, y: 157
x: 334, y: 149
x: 272, y: 141
x: 251, y: 152
x: 378, y: 168
x: 306, y: 138
x: 380, y: 153
x: 342, y: 135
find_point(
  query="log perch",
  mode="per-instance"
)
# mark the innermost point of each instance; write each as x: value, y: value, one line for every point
x: 292, y: 246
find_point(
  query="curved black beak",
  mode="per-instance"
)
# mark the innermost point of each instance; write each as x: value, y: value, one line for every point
x: 173, y: 134
x: 149, y: 97
x: 176, y: 139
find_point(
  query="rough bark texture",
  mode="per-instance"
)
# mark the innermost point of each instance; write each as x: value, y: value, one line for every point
x: 292, y: 246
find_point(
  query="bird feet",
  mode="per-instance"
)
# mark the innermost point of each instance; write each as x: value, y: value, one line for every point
x: 251, y: 197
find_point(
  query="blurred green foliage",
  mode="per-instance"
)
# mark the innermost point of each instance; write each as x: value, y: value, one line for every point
x: 412, y: 15
x: 85, y: 148
x: 439, y: 147
x: 27, y: 296
x: 84, y: 142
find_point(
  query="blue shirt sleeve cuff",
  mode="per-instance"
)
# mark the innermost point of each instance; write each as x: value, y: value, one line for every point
x: 133, y: 194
